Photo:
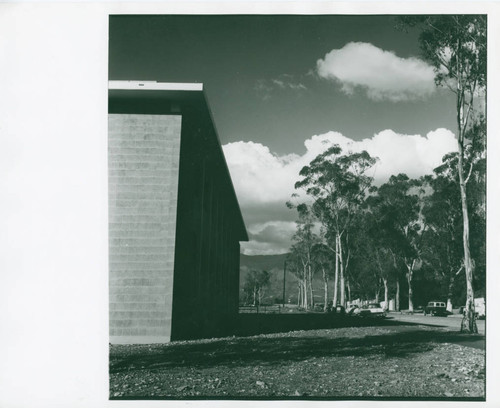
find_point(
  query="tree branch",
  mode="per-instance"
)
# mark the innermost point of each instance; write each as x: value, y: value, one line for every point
x: 469, y: 173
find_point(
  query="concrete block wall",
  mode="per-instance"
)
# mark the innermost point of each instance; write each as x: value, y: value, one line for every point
x: 143, y: 162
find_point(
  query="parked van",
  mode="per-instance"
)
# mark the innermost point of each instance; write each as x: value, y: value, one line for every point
x: 436, y: 308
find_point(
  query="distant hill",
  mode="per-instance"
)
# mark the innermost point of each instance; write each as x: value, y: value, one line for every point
x: 274, y: 265
x: 265, y: 262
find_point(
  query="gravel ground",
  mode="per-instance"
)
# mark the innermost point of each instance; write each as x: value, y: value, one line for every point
x: 349, y: 363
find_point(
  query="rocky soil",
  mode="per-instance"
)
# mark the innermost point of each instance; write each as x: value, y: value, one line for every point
x: 345, y: 363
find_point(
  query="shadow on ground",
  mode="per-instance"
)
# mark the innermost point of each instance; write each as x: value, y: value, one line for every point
x: 253, y: 324
x: 278, y: 350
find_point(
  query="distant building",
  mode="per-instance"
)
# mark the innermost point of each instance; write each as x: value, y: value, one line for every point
x: 174, y: 220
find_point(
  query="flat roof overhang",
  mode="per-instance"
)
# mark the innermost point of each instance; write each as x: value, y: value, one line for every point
x: 150, y: 97
x: 154, y: 86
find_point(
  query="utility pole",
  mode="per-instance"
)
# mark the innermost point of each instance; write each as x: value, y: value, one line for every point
x: 284, y: 280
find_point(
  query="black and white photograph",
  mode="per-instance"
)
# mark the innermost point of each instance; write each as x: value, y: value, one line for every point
x: 274, y: 203
x: 297, y: 206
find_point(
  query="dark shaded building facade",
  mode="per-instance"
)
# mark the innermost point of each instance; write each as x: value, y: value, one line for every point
x: 174, y: 220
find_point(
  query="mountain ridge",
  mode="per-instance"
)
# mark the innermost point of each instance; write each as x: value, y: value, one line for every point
x: 264, y: 262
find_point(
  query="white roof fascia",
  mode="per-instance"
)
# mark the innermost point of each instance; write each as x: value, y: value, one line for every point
x: 154, y: 86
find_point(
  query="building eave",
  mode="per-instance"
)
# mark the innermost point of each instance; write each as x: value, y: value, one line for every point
x: 154, y: 86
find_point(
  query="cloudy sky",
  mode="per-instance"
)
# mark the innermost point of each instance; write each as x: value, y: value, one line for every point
x: 283, y: 88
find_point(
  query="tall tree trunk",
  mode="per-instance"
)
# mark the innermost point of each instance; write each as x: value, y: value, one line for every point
x: 397, y: 295
x: 409, y: 276
x: 342, y: 281
x: 386, y: 293
x: 301, y: 293
x: 306, y: 304
x: 336, y: 280
x: 325, y: 281
x: 396, y: 306
x: 299, y: 299
x: 469, y: 320
x: 449, y: 305
x: 311, y: 291
x: 346, y: 273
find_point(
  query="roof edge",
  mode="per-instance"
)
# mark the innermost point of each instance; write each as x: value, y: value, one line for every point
x: 155, y: 86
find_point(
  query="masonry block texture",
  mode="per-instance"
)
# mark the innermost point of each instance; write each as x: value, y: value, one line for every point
x: 174, y: 222
x: 143, y: 160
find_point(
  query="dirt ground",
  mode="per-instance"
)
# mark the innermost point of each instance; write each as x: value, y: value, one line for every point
x: 375, y: 362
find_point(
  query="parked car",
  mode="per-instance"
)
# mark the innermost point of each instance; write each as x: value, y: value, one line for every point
x: 319, y: 307
x: 353, y: 310
x: 372, y: 310
x: 436, y: 308
x: 339, y: 309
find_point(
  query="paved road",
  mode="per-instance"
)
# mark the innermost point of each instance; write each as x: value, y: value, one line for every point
x: 451, y: 323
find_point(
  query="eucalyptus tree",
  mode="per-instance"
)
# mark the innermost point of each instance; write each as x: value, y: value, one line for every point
x: 444, y: 216
x: 322, y: 261
x: 397, y: 209
x: 302, y: 249
x: 365, y: 245
x: 294, y: 266
x: 443, y: 246
x: 383, y: 264
x: 363, y: 280
x: 456, y: 46
x: 255, y: 284
x: 337, y: 183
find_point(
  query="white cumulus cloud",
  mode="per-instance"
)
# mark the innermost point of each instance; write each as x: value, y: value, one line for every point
x: 268, y: 238
x: 383, y: 75
x: 261, y: 177
x: 271, y: 237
